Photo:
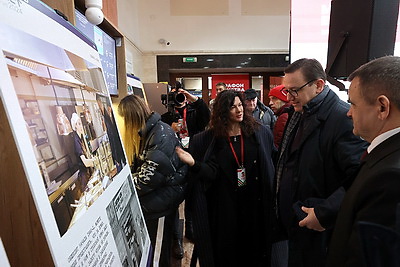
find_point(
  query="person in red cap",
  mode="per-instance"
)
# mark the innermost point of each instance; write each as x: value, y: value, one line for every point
x: 278, y: 102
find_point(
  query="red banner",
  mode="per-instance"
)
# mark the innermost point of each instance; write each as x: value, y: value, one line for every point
x: 237, y: 82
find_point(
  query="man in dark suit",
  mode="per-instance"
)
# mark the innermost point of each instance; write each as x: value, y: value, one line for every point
x: 374, y: 95
x: 318, y: 154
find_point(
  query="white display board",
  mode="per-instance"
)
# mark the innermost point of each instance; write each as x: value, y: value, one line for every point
x: 3, y: 256
x: 54, y: 93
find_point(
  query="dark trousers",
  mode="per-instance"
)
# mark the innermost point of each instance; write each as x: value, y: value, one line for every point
x: 152, y: 225
x: 177, y: 233
x: 188, y: 216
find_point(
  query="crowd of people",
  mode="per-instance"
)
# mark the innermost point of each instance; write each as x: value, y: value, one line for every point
x: 284, y: 185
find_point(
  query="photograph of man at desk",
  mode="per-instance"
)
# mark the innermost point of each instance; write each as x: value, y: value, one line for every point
x: 73, y: 134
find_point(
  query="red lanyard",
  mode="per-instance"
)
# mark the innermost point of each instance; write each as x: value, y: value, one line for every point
x: 241, y: 150
x: 184, y: 115
x: 184, y: 124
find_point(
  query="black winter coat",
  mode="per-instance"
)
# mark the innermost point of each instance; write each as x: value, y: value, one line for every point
x: 158, y: 173
x: 325, y: 158
x: 201, y: 147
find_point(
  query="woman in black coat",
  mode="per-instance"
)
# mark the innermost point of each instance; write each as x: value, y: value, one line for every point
x: 231, y: 174
x: 157, y: 172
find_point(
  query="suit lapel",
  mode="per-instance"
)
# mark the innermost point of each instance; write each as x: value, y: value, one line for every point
x: 381, y: 151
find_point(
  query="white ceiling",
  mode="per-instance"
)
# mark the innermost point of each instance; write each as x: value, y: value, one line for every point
x: 207, y: 26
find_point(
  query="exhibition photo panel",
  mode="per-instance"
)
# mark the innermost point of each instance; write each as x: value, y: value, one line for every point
x: 60, y: 112
x: 73, y: 134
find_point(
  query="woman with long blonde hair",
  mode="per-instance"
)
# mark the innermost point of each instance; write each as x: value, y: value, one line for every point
x: 135, y: 113
x: 157, y: 172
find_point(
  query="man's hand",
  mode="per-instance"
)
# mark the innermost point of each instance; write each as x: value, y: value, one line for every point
x: 311, y: 221
x: 188, y: 95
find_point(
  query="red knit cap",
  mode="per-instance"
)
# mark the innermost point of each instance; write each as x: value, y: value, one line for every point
x: 276, y: 91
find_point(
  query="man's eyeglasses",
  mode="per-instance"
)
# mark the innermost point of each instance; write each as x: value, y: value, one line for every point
x: 295, y: 92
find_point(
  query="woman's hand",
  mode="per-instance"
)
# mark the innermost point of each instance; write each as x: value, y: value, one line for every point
x: 184, y: 156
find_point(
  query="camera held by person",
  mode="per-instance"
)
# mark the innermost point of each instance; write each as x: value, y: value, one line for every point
x: 174, y: 98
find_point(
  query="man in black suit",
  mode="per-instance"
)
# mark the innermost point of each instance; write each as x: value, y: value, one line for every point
x: 374, y: 95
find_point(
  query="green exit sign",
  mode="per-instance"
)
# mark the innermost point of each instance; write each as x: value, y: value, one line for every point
x: 190, y: 59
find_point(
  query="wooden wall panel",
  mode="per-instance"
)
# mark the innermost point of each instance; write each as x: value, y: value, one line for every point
x: 20, y: 228
x: 110, y: 11
x: 67, y: 7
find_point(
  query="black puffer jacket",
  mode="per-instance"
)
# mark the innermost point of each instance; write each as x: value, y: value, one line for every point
x: 158, y: 173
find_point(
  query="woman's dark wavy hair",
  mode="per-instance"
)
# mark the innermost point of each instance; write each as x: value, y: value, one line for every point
x: 220, y: 116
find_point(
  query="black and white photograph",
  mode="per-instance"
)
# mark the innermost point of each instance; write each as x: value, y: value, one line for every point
x: 127, y: 225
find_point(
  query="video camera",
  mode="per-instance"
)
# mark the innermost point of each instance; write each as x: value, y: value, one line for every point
x: 173, y: 98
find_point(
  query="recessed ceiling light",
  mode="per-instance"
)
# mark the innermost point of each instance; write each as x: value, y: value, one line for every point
x: 210, y: 59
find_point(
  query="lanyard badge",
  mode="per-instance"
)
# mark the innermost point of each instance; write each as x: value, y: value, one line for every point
x: 241, y: 176
x: 240, y: 171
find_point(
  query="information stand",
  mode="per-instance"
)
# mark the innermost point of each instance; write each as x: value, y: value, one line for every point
x: 67, y: 196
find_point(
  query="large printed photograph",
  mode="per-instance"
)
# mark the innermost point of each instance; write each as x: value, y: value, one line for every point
x: 71, y: 125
